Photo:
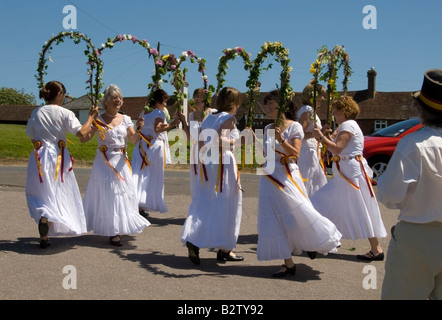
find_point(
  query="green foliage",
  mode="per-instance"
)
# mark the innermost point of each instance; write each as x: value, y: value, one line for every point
x: 14, y: 97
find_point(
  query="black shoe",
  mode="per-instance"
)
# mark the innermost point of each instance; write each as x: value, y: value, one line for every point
x: 312, y: 254
x: 194, y: 252
x: 226, y: 256
x: 144, y: 213
x: 43, y: 228
x: 286, y: 271
x: 116, y: 243
x: 44, y: 244
x: 370, y: 256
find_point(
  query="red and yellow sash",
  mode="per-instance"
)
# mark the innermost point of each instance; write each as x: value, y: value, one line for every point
x: 101, y: 127
x: 103, y: 150
x: 60, y: 160
x: 367, y: 178
x: 37, y: 146
x: 336, y: 159
x: 285, y: 160
x: 143, y: 155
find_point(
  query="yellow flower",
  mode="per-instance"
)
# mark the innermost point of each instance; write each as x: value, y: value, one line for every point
x: 166, y: 57
x: 331, y: 82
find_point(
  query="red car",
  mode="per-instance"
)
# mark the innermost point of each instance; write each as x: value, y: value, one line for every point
x: 379, y: 146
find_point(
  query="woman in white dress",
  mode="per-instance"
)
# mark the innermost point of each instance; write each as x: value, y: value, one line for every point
x: 287, y: 221
x: 52, y: 193
x: 348, y: 199
x: 110, y: 201
x: 214, y: 215
x: 310, y: 161
x: 151, y: 154
x: 193, y: 130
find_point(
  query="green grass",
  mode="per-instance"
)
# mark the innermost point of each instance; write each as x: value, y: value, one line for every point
x: 15, y: 145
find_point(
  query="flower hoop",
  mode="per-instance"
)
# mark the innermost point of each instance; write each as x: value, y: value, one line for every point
x: 93, y: 61
x: 179, y: 76
x: 231, y: 54
x: 334, y: 59
x: 156, y: 78
x: 286, y: 92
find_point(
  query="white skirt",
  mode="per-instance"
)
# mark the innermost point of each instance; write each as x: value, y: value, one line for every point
x: 287, y: 222
x: 110, y: 203
x: 354, y: 211
x: 58, y: 201
x: 214, y: 217
x: 311, y: 169
x: 149, y: 181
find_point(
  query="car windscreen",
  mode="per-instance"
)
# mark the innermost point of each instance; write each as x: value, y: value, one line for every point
x: 396, y: 129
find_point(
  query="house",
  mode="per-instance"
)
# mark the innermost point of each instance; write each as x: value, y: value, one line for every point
x: 16, y: 114
x: 377, y: 109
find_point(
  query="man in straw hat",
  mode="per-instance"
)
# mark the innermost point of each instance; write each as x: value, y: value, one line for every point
x: 413, y: 184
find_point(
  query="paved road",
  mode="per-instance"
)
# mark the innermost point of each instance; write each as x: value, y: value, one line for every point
x: 153, y: 265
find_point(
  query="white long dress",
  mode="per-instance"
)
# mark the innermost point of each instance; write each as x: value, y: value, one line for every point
x: 348, y: 199
x: 52, y: 190
x: 110, y: 201
x: 148, y: 162
x: 214, y: 215
x: 309, y: 162
x: 195, y: 166
x: 287, y: 221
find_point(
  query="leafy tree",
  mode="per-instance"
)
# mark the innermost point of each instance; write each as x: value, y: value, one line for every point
x: 11, y: 96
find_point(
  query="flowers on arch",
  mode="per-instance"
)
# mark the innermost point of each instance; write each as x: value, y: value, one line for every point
x: 93, y: 61
x: 173, y: 64
x: 326, y: 68
x: 286, y: 93
x: 230, y: 54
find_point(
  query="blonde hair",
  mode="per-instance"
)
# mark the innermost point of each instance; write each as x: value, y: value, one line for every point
x: 227, y: 99
x: 347, y: 105
x: 109, y: 93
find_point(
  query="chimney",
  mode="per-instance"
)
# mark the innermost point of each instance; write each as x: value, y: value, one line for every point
x: 371, y: 74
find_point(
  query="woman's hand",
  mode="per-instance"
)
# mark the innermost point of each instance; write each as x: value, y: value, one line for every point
x: 140, y: 123
x: 278, y: 134
x: 317, y: 133
x: 93, y: 112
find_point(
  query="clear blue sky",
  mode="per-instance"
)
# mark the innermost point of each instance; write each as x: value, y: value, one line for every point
x: 407, y: 41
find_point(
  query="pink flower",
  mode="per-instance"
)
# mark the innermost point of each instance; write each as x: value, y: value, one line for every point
x: 153, y: 51
x: 239, y: 49
x: 190, y: 53
x: 120, y: 37
x: 173, y: 67
x: 159, y: 62
x: 97, y: 52
x: 134, y: 39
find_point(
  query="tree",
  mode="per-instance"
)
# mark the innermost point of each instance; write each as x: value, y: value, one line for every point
x: 11, y: 96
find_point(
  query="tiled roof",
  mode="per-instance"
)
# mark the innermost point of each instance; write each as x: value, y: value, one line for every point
x: 385, y: 106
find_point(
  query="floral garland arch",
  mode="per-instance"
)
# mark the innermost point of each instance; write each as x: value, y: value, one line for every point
x: 156, y: 78
x: 335, y: 59
x: 231, y: 54
x: 91, y: 53
x: 179, y: 75
x: 286, y: 92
